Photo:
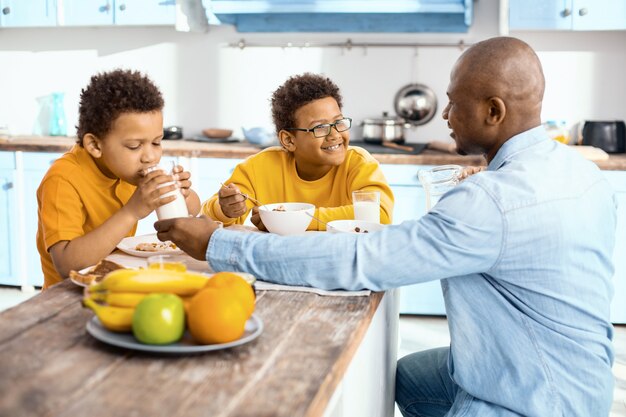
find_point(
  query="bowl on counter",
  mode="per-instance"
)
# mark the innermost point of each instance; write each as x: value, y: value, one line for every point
x: 353, y: 226
x: 287, y: 218
x: 259, y: 136
x: 217, y: 133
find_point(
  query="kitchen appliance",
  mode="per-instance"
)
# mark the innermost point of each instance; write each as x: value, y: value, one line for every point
x: 609, y: 136
x: 173, y: 132
x: 415, y: 104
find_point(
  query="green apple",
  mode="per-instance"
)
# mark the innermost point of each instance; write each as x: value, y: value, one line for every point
x: 159, y: 319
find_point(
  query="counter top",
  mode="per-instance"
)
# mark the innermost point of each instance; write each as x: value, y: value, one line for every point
x: 51, y: 366
x: 242, y: 150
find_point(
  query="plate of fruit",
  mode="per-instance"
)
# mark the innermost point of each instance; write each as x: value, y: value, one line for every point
x: 172, y: 312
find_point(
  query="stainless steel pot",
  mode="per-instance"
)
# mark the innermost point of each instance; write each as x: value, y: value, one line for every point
x: 384, y: 129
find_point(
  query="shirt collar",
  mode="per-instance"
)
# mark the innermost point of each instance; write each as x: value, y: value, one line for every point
x: 517, y: 144
x: 86, y: 160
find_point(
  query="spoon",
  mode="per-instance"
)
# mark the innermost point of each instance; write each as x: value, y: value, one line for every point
x: 247, y: 197
x: 315, y: 218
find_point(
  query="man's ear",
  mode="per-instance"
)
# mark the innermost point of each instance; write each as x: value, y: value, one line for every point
x: 92, y: 145
x: 497, y: 111
x: 286, y: 140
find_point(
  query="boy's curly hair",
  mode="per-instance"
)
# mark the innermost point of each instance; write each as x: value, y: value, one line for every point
x: 297, y: 91
x: 110, y: 94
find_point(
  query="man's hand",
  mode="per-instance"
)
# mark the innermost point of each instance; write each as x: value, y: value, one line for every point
x: 191, y: 234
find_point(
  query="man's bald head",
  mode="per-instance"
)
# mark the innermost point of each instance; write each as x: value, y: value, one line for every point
x: 507, y: 68
x: 496, y: 89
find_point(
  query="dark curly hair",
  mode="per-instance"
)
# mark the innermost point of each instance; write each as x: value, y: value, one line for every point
x: 297, y: 91
x: 110, y: 94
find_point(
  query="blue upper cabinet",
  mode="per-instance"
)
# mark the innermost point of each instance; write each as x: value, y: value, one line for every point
x: 118, y: 12
x: 567, y: 14
x: 145, y: 12
x: 344, y: 15
x: 28, y: 13
x: 88, y: 12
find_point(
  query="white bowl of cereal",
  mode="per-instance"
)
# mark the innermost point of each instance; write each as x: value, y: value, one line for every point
x: 287, y: 218
x: 353, y: 226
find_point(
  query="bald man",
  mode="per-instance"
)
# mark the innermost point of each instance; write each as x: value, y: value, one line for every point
x: 523, y: 251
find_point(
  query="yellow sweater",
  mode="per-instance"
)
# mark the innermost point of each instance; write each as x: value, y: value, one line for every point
x: 271, y: 177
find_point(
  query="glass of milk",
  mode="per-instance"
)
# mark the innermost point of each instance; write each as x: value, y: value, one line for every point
x: 366, y: 205
x: 175, y: 208
x: 437, y: 181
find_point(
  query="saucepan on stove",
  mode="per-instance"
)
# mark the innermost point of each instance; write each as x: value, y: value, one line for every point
x: 415, y: 104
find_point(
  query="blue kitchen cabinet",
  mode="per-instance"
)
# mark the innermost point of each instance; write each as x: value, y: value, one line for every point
x: 88, y: 12
x: 36, y: 165
x: 118, y: 12
x: 567, y: 14
x: 344, y: 16
x: 410, y: 204
x: 207, y: 173
x: 8, y: 216
x: 145, y: 12
x: 28, y: 13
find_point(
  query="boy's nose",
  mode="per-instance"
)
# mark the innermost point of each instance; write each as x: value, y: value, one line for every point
x: 149, y: 156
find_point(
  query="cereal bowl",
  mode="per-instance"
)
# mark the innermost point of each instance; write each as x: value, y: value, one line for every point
x: 287, y: 218
x: 353, y: 226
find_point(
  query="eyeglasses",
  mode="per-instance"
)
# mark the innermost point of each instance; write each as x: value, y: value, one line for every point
x: 321, y: 131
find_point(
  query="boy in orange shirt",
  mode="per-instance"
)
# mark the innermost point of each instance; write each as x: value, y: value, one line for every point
x: 94, y: 195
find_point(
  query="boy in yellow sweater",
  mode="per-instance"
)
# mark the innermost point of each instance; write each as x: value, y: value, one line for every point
x: 93, y: 196
x: 314, y: 163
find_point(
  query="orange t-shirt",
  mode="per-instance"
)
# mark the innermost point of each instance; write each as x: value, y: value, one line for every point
x: 73, y: 199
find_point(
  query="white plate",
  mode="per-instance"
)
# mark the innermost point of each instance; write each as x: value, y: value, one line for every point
x: 254, y: 327
x: 82, y: 271
x: 128, y: 245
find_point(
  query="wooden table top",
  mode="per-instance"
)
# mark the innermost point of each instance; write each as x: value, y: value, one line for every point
x: 242, y: 150
x: 50, y: 366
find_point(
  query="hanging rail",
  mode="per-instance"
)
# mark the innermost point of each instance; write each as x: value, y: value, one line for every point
x: 348, y: 45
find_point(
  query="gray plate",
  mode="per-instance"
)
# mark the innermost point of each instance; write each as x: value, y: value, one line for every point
x: 254, y: 327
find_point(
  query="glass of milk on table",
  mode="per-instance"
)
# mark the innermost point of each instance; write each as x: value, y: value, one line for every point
x: 173, y: 209
x: 437, y: 181
x: 366, y: 205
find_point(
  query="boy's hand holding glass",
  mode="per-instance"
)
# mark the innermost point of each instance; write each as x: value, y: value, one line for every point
x: 182, y: 179
x: 232, y: 202
x: 147, y: 196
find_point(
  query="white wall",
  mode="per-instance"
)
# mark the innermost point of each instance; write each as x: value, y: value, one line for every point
x: 206, y: 83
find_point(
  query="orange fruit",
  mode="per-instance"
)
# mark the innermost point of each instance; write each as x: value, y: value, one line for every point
x: 215, y: 316
x: 236, y: 284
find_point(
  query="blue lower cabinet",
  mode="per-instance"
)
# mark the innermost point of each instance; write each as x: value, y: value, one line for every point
x: 208, y: 173
x: 8, y: 216
x: 36, y: 164
x: 410, y: 204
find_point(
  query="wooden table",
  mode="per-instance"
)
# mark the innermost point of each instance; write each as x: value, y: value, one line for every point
x: 317, y: 356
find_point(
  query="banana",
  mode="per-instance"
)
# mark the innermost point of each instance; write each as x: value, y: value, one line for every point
x: 118, y: 299
x: 115, y: 319
x: 151, y: 280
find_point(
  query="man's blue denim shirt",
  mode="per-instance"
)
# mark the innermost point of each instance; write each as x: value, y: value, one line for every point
x: 524, y: 254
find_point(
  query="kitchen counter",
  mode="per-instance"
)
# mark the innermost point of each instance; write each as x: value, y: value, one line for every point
x: 242, y: 150
x: 299, y: 365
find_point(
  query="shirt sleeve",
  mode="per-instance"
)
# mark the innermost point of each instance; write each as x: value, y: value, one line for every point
x: 462, y: 235
x: 62, y: 212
